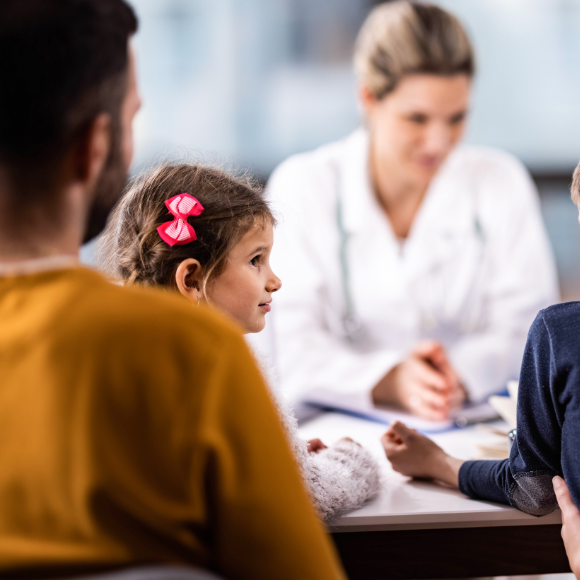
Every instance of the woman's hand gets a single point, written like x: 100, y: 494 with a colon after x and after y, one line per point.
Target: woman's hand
x: 414, y: 455
x: 316, y: 445
x: 425, y: 383
x: 570, y: 524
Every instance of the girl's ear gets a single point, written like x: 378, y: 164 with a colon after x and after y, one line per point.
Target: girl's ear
x: 188, y: 278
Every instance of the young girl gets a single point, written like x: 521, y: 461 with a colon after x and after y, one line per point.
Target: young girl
x: 208, y: 235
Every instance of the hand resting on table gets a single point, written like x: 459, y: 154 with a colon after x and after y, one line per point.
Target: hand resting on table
x: 415, y: 455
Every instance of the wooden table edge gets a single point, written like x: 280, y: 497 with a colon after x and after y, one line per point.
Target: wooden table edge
x: 452, y: 552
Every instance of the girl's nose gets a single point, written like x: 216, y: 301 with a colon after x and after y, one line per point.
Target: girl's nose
x: 274, y: 283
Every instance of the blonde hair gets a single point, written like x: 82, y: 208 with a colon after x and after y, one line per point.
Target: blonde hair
x: 401, y: 38
x: 131, y: 249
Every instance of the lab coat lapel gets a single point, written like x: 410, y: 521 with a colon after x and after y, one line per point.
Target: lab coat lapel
x: 441, y: 230
x: 373, y: 250
x: 361, y: 208
x: 354, y: 181
x: 442, y: 225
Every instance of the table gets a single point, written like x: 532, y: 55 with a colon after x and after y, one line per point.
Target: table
x: 418, y: 529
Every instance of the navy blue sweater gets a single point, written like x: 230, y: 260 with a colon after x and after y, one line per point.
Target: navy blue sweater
x: 548, y: 435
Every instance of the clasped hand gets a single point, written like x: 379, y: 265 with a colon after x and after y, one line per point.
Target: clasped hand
x: 425, y: 383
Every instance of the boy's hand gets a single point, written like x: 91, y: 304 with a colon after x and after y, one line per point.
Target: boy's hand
x: 570, y: 524
x: 414, y: 455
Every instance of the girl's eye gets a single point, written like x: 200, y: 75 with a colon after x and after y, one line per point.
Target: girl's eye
x: 255, y: 260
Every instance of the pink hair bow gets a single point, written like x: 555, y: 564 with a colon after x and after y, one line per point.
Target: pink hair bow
x: 178, y: 232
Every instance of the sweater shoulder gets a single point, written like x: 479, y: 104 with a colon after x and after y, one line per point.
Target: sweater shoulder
x: 554, y: 333
x: 560, y: 316
x: 121, y: 317
x: 562, y: 310
x: 560, y: 320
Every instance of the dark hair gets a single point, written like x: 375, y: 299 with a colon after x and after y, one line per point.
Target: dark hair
x: 62, y: 62
x: 132, y: 250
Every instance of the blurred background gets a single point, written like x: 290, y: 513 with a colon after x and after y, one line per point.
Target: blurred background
x: 250, y: 82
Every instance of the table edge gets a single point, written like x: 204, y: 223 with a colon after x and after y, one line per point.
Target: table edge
x: 428, y: 521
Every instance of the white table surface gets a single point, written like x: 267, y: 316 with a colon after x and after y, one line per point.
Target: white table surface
x: 404, y: 504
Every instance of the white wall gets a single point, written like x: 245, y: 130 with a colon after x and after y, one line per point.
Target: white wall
x: 250, y: 82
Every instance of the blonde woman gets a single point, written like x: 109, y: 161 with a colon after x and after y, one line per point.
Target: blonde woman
x: 413, y: 265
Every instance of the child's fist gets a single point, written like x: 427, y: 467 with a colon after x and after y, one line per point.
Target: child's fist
x: 316, y: 445
x: 415, y: 455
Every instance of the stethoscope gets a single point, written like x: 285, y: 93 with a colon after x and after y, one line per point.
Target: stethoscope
x: 352, y: 323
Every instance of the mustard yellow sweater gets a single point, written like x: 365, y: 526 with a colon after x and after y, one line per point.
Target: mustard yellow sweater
x: 136, y: 429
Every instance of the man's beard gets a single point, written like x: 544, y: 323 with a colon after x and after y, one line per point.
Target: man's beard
x: 108, y: 189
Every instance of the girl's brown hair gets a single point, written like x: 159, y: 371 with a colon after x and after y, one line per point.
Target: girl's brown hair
x: 131, y: 249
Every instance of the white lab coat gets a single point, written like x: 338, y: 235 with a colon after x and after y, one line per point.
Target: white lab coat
x: 473, y: 273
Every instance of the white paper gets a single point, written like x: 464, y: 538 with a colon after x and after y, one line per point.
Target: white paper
x: 359, y: 404
x: 512, y: 388
x: 507, y: 408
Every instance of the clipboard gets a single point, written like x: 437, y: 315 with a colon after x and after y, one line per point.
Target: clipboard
x: 360, y: 405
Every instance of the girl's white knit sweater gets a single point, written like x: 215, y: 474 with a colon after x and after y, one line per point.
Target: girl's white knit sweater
x: 340, y: 478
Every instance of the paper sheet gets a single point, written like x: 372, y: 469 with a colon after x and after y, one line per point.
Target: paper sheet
x: 360, y: 404
x: 507, y: 409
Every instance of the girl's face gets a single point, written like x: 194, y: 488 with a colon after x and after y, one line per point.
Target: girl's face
x: 244, y: 289
x: 414, y: 128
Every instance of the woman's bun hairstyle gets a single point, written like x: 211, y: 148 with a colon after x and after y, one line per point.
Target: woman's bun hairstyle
x: 401, y: 38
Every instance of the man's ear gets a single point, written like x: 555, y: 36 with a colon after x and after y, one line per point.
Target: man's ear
x: 189, y: 277
x: 93, y: 149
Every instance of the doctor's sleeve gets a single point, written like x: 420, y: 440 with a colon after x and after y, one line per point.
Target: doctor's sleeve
x: 519, y: 280
x: 309, y: 354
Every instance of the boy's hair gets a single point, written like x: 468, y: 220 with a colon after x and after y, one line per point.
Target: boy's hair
x: 132, y: 250
x: 575, y: 189
x: 62, y: 63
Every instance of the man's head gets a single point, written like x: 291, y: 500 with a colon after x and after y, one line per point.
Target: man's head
x: 67, y: 99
